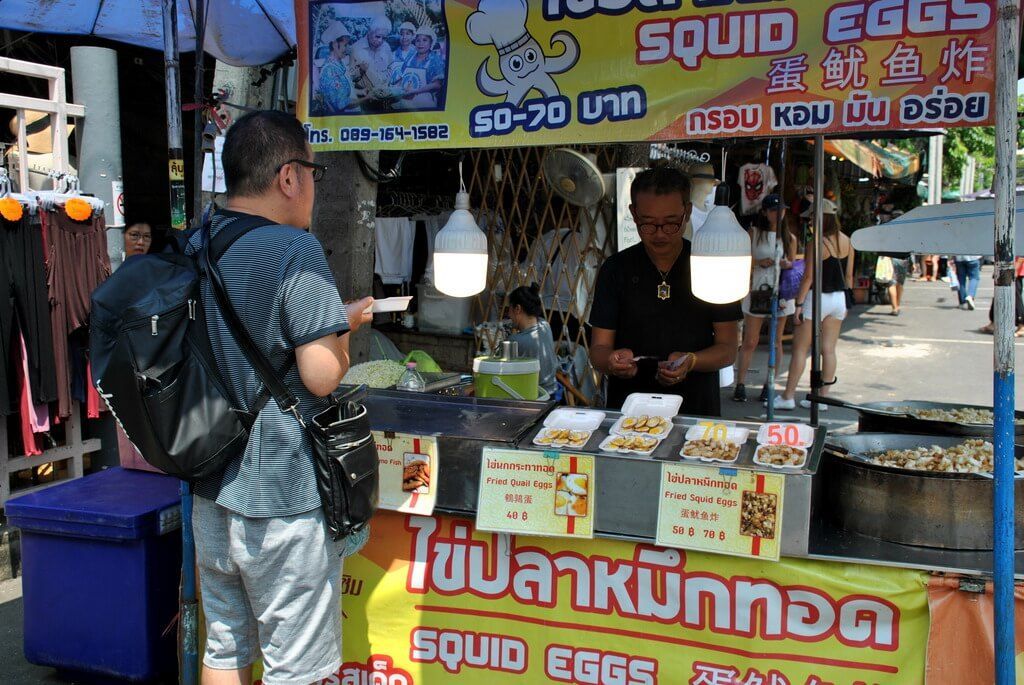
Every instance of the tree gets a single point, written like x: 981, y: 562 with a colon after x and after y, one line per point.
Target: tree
x: 978, y: 142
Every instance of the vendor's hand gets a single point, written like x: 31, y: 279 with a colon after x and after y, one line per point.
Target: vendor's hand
x: 621, y: 364
x: 357, y: 313
x: 668, y: 376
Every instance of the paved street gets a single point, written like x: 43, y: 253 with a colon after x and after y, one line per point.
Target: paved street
x: 932, y: 351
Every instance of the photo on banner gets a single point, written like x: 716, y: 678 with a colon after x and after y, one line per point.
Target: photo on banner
x: 372, y: 57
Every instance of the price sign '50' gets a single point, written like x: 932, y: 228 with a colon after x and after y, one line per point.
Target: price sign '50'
x: 784, y: 434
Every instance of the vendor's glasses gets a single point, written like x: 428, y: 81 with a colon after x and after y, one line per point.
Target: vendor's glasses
x: 318, y: 169
x: 666, y: 228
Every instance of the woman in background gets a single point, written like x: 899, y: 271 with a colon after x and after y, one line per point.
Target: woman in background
x: 836, y: 277
x: 138, y: 238
x: 534, y: 333
x: 773, y: 248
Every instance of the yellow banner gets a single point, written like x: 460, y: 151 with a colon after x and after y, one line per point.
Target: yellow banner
x: 431, y: 600
x: 407, y: 74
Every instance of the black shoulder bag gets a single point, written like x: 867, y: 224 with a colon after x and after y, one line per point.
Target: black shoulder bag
x: 344, y: 452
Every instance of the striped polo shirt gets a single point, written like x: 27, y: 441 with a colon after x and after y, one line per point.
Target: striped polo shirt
x: 283, y: 290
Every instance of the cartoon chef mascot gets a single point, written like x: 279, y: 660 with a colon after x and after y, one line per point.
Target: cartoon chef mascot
x: 524, y: 66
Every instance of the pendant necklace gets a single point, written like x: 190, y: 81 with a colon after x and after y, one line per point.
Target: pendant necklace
x: 664, y: 289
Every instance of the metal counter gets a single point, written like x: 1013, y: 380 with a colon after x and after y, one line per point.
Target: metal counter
x: 627, y: 495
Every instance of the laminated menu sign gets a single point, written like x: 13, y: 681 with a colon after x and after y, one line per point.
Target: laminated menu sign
x: 536, y: 493
x: 408, y: 472
x: 725, y: 510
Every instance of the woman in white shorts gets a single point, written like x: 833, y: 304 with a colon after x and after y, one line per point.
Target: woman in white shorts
x: 836, y: 277
x: 772, y: 248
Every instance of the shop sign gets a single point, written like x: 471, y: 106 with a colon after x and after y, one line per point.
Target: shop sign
x: 213, y: 168
x: 723, y: 510
x: 628, y: 236
x: 409, y: 472
x: 433, y: 600
x: 536, y: 493
x: 117, y: 195
x: 491, y: 73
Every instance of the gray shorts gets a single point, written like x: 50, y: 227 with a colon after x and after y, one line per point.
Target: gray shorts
x: 269, y: 587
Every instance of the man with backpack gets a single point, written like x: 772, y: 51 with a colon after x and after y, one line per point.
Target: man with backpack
x: 269, y: 571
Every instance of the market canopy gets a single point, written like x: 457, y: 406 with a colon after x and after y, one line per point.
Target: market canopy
x: 879, y: 161
x: 239, y: 32
x: 957, y: 228
x: 500, y: 73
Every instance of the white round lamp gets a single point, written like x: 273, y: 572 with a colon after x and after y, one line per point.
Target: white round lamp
x: 720, y: 259
x: 460, y: 253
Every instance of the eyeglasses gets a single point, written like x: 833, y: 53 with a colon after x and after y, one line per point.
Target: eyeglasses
x: 318, y: 169
x: 140, y: 237
x: 666, y: 228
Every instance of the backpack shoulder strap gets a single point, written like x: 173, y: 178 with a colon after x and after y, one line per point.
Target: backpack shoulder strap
x: 227, y: 236
x: 213, y: 249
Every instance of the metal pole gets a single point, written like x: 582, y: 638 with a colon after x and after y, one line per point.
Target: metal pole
x: 176, y: 162
x: 774, y: 320
x: 819, y: 220
x: 1005, y: 203
x: 94, y: 77
x: 188, y: 633
x: 198, y: 97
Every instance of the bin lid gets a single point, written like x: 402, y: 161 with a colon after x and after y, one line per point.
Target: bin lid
x: 118, y: 503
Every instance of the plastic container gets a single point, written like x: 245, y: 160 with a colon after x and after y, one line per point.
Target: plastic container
x: 517, y: 379
x: 582, y: 422
x: 439, y: 313
x: 643, y: 404
x: 101, y: 558
x: 411, y: 380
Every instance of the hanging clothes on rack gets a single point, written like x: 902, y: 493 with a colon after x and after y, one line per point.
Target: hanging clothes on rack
x: 393, y: 250
x: 77, y: 262
x: 25, y: 310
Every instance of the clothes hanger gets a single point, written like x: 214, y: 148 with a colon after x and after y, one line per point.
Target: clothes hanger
x: 5, y: 191
x: 67, y: 187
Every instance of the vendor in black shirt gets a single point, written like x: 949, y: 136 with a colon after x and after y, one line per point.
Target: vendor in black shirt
x: 644, y: 307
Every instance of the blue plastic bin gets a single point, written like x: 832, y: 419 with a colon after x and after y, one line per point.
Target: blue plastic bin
x: 101, y: 558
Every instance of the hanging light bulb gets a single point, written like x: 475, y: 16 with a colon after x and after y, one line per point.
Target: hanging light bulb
x: 460, y: 251
x: 720, y: 257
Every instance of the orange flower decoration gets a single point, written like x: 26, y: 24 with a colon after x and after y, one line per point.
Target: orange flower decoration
x: 77, y: 209
x: 11, y: 209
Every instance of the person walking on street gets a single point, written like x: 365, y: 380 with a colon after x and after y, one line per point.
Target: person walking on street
x: 990, y: 328
x: 773, y: 249
x: 968, y: 271
x: 836, y: 277
x: 270, y: 572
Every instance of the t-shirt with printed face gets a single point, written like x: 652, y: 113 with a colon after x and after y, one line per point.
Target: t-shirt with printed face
x: 281, y: 286
x: 756, y: 182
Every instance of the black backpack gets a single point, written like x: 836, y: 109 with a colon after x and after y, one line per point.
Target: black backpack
x: 153, y: 365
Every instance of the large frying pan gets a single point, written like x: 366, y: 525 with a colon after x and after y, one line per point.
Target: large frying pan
x: 886, y: 417
x: 910, y: 507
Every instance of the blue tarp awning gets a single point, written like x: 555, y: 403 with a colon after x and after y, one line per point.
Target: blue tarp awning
x: 239, y: 32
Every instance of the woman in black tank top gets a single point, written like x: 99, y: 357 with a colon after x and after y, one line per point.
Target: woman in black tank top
x: 836, y: 277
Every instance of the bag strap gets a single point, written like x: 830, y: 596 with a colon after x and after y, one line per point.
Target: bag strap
x: 218, y: 246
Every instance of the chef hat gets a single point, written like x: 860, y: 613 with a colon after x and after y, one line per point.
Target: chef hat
x: 381, y: 24
x: 501, y: 23
x: 407, y: 26
x: 427, y: 31
x: 335, y: 31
